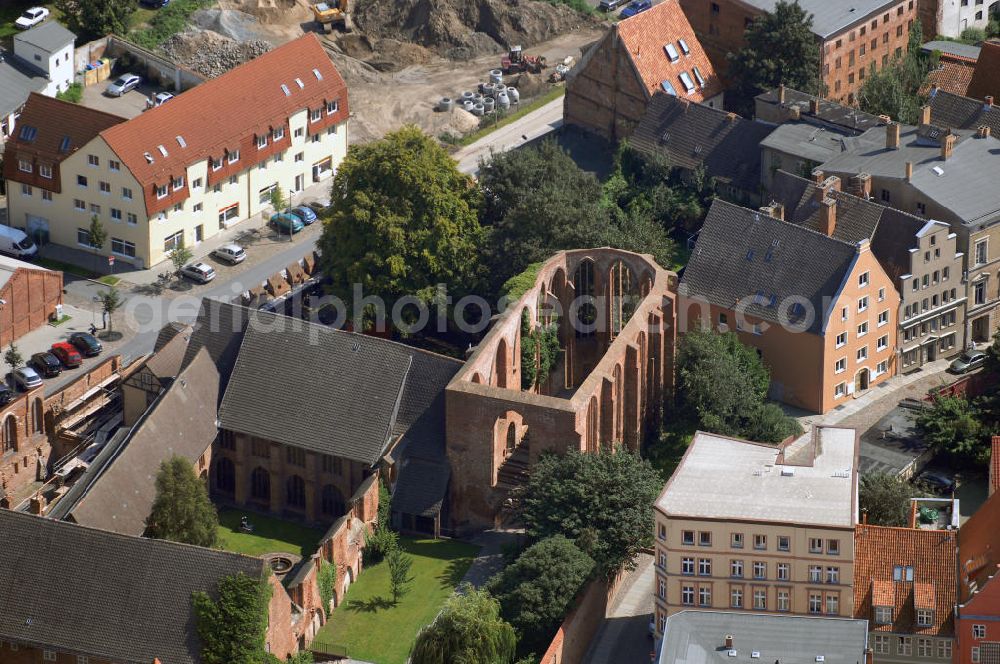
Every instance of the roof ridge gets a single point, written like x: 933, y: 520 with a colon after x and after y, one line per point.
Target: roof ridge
x: 781, y: 223
x: 79, y: 108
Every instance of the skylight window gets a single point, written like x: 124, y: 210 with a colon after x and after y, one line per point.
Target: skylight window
x: 686, y: 80
x: 319, y: 76
x: 149, y: 157
x: 299, y: 82
x: 684, y: 47
x: 284, y: 88
x: 668, y: 88
x: 671, y: 52
x: 64, y: 144
x: 181, y: 142
x: 162, y: 150
x: 698, y: 77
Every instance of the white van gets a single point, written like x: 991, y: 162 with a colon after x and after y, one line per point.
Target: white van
x: 16, y: 243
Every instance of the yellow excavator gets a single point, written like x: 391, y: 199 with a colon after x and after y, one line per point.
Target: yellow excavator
x: 332, y: 13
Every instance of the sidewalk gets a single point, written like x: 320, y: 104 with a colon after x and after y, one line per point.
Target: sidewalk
x: 150, y: 275
x: 623, y: 637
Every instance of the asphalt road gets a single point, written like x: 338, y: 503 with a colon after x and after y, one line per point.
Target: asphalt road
x: 546, y: 119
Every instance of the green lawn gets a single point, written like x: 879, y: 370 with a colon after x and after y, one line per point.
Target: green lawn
x: 370, y: 628
x: 269, y: 535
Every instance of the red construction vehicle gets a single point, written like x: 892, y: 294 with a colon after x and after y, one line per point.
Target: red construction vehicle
x: 516, y: 62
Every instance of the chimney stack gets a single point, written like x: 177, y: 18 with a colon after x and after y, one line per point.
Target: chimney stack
x: 984, y: 132
x: 947, y: 146
x: 989, y: 101
x: 892, y: 136
x: 777, y: 211
x: 909, y: 171
x: 925, y: 115
x: 860, y: 185
x: 828, y: 216
x: 731, y: 117
x: 794, y: 113
x: 814, y: 106
x: 825, y: 186
x: 729, y: 641
x: 869, y: 656
x: 818, y: 176
x: 781, y: 93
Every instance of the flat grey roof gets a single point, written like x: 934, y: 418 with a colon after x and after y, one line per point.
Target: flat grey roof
x: 698, y: 637
x: 17, y: 81
x: 806, y: 141
x: 748, y: 483
x: 830, y: 16
x: 953, y: 48
x: 49, y: 36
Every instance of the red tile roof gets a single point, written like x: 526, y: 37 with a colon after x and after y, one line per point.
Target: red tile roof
x: 226, y: 113
x: 878, y: 550
x: 979, y: 546
x: 986, y: 79
x: 953, y: 75
x: 49, y: 131
x: 645, y: 37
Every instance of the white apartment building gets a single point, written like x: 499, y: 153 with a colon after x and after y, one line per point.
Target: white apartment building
x: 181, y: 172
x: 42, y: 62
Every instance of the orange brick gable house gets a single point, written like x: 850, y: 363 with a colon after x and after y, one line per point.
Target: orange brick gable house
x: 654, y: 51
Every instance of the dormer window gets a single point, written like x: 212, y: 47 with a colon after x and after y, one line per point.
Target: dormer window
x: 216, y: 164
x: 234, y: 156
x: 883, y: 615
x: 261, y: 142
x: 315, y: 115
x: 672, y: 52
x: 684, y: 47
x: 698, y: 77
x: 332, y: 107
x: 161, y: 191
x: 45, y: 171
x: 278, y: 134
x: 686, y: 80
x: 24, y: 166
x: 177, y: 183
x: 925, y: 617
x: 902, y: 573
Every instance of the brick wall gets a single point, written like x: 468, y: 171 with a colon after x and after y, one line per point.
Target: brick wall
x: 30, y: 298
x: 25, y: 449
x: 578, y: 629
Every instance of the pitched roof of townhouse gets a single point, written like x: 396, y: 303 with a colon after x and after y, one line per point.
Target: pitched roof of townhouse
x: 52, y: 130
x: 212, y: 117
x: 829, y: 112
x: 181, y: 422
x: 691, y: 135
x: 829, y: 18
x: 105, y: 595
x: 17, y: 82
x: 952, y: 75
x: 958, y: 112
x: 963, y: 184
x: 986, y: 79
x: 809, y: 481
x: 50, y: 36
x: 879, y: 550
x: 979, y: 547
x: 743, y: 254
x: 646, y: 37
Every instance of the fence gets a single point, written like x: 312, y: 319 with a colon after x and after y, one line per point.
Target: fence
x: 327, y: 648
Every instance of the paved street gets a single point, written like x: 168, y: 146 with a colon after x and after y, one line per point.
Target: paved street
x: 532, y: 126
x: 624, y: 636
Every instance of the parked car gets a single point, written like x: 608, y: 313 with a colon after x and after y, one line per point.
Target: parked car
x: 31, y: 17
x: 86, y: 343
x: 46, y: 364
x: 636, y: 7
x: 967, y: 361
x: 155, y: 4
x: 305, y: 213
x: 16, y: 243
x: 123, y: 84
x: 199, y: 272
x: 26, y: 378
x: 6, y: 394
x: 231, y: 253
x: 67, y: 354
x: 937, y: 481
x: 161, y: 98
x: 611, y: 5
x: 319, y: 205
x: 286, y: 223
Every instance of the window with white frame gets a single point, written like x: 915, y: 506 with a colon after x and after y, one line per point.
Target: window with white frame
x: 974, y: 652
x: 95, y: 208
x: 79, y: 205
x: 177, y: 183
x: 839, y: 390
x: 736, y: 569
x: 300, y: 132
x: 904, y: 645
x: 82, y: 659
x: 49, y: 655
x: 944, y: 649
x: 331, y: 131
x: 332, y: 107
x: 881, y: 294
x: 45, y: 171
x: 316, y: 138
x: 661, y: 588
x: 784, y: 600
x: 881, y: 367
x: 161, y: 191
x: 815, y: 545
x: 982, y: 255
x: 687, y: 595
x: 46, y: 195
x: 662, y: 560
x: 114, y: 165
x: 126, y: 193
x: 83, y: 238
x: 815, y: 574
x: 832, y: 604
x: 736, y: 598
x: 704, y: 567
x: 116, y: 215
x: 261, y: 142
x: 300, y: 156
x: 841, y: 339
x: 234, y: 156
x: 862, y: 353
x: 833, y: 575
x: 840, y: 366
x: 883, y: 615
x: 131, y: 219
x: 862, y: 303
x: 863, y: 329
x: 704, y: 596
x: 883, y: 343
x: 198, y: 207
x: 736, y: 540
x: 233, y: 179
x: 81, y: 181
x: 92, y: 160
x: 880, y: 644
x: 25, y: 166
x: 760, y: 599
x: 979, y: 631
x: 760, y: 542
x: 862, y: 280
x: 216, y: 163
x: 26, y: 189
x: 925, y: 617
x: 315, y: 114
x: 278, y: 134
x: 759, y: 569
x: 230, y: 213
x: 173, y: 241
x: 105, y: 187
x: 122, y: 247
x: 815, y: 603
x: 883, y: 318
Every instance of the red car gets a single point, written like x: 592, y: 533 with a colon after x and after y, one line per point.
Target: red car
x: 67, y: 354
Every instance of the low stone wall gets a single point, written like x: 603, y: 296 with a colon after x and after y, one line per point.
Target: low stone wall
x: 578, y: 629
x: 151, y: 66
x: 966, y: 386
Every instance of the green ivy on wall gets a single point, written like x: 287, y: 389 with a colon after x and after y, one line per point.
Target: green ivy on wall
x: 539, y: 352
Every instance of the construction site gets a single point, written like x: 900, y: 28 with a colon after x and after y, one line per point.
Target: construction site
x: 408, y: 61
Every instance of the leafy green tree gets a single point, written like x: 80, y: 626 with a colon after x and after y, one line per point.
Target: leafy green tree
x: 379, y: 543
x: 885, y: 498
x: 111, y: 301
x: 399, y: 573
x: 96, y: 18
x: 780, y: 49
x: 537, y: 201
x: 602, y: 501
x: 469, y: 630
x: 13, y: 357
x: 403, y: 220
x: 326, y: 580
x: 232, y: 623
x: 384, y: 506
x: 895, y: 89
x: 538, y: 589
x: 723, y: 384
x: 179, y: 257
x: 951, y: 426
x: 182, y: 510
x: 97, y: 235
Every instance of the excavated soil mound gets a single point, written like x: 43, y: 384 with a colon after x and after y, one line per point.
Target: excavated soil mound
x: 463, y: 29
x: 210, y: 53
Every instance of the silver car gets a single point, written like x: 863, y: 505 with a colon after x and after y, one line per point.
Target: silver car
x: 123, y: 84
x: 231, y: 253
x: 199, y: 272
x: 27, y: 378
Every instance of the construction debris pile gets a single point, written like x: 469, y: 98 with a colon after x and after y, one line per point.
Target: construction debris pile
x: 210, y: 53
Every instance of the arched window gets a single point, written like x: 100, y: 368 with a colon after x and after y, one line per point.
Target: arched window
x: 37, y: 417
x: 225, y: 475
x: 624, y: 296
x: 511, y: 437
x: 260, y: 485
x: 9, y: 435
x: 501, y: 366
x: 332, y: 502
x: 586, y: 311
x: 296, y: 492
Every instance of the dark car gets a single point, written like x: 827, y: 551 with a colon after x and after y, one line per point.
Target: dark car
x: 155, y: 4
x: 46, y: 364
x: 636, y: 7
x: 305, y: 213
x: 87, y: 344
x: 937, y: 481
x: 67, y: 354
x: 6, y: 394
x: 968, y: 361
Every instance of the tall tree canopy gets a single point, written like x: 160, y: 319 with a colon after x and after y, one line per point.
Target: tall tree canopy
x: 895, y: 89
x: 403, y: 220
x: 952, y: 426
x: 96, y: 18
x: 885, y: 499
x: 182, y: 510
x: 232, y: 625
x: 723, y: 385
x: 469, y: 630
x: 538, y: 589
x: 602, y: 501
x: 780, y: 49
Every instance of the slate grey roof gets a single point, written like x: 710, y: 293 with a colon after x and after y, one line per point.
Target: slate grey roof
x: 698, y: 637
x: 742, y: 253
x: 17, y: 81
x: 830, y: 112
x: 691, y: 135
x: 180, y: 422
x: 421, y: 487
x: 105, y: 595
x: 952, y: 48
x: 831, y: 16
x: 956, y: 112
x: 50, y: 36
x: 806, y: 141
x: 219, y: 330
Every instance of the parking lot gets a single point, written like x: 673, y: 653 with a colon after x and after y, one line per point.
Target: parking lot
x: 129, y: 105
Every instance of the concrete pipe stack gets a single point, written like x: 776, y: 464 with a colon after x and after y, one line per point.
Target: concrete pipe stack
x: 496, y: 76
x: 514, y: 95
x: 446, y: 104
x: 478, y: 109
x: 503, y: 101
